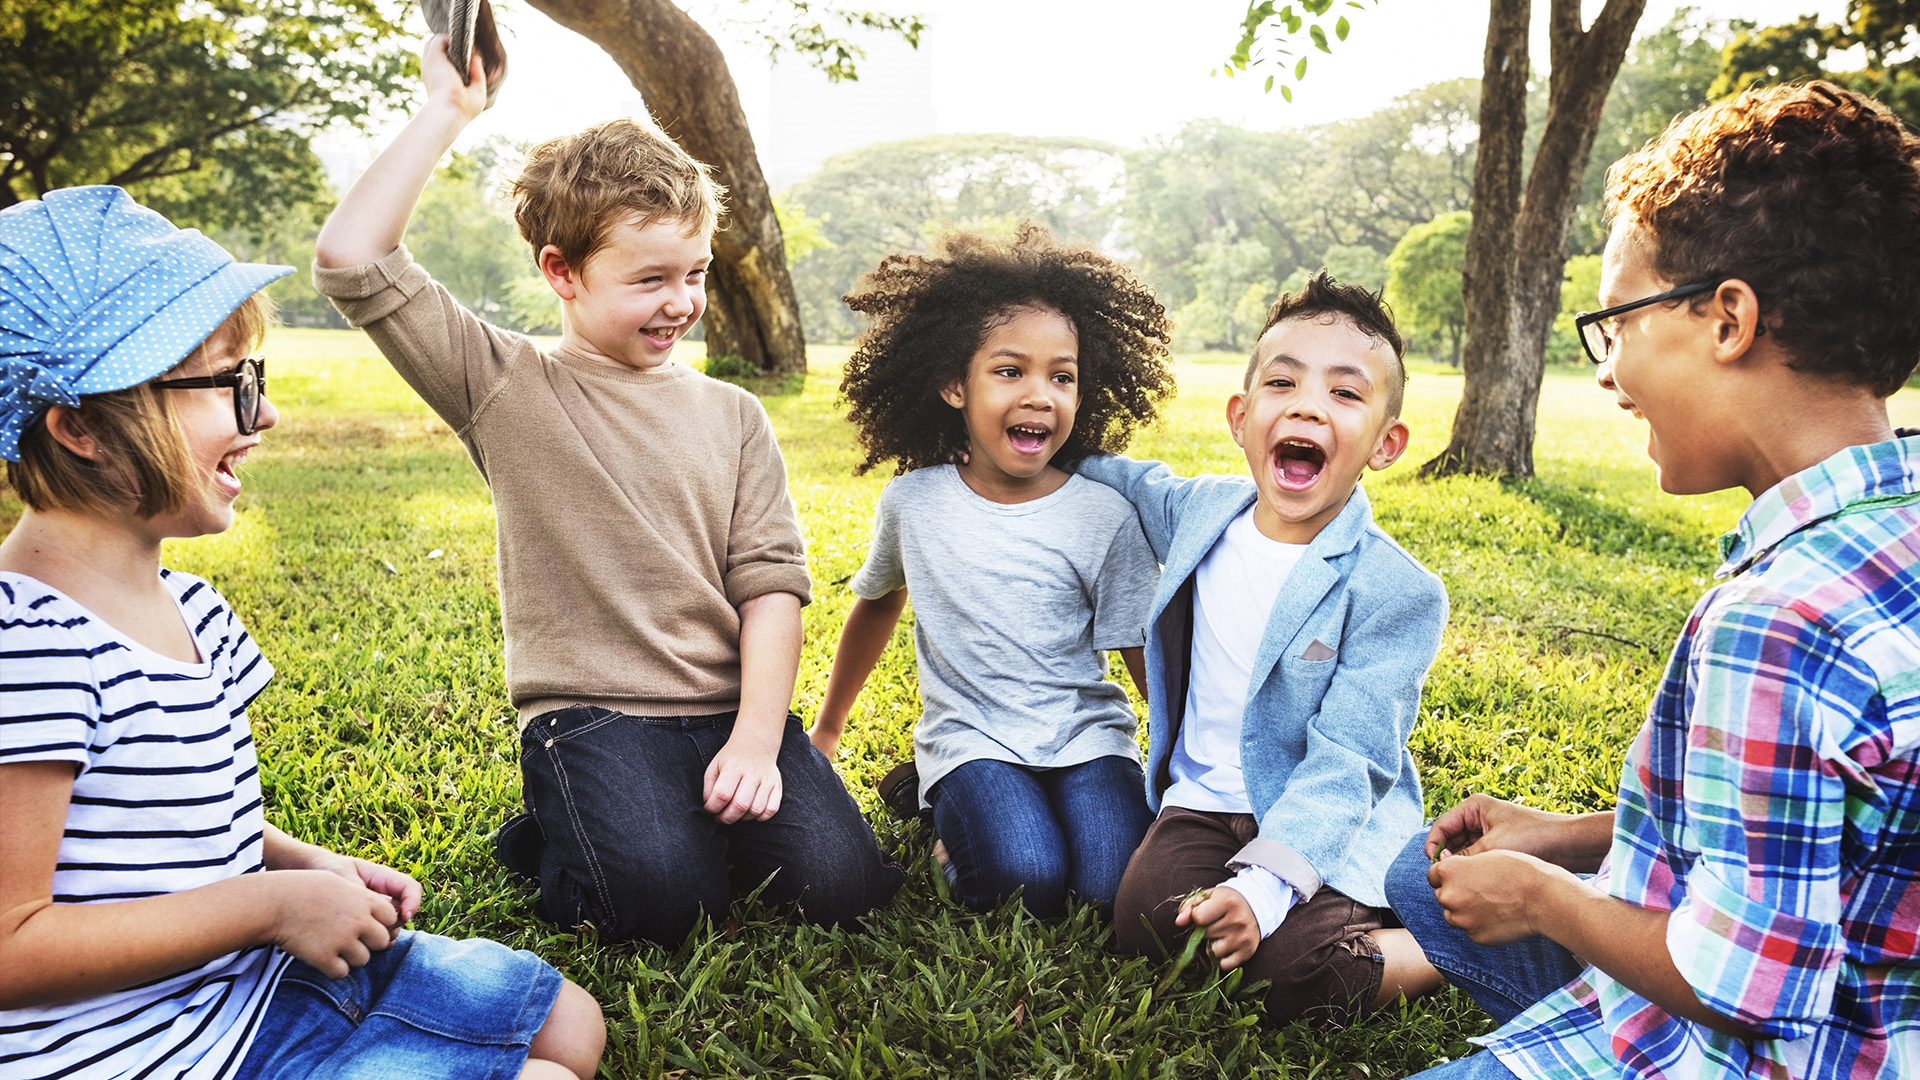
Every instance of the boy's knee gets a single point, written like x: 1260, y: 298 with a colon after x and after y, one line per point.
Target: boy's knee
x: 1406, y: 884
x: 1331, y: 984
x: 656, y: 909
x: 840, y: 899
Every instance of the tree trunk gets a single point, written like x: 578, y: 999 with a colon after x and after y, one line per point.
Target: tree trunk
x: 679, y: 70
x: 1517, y: 244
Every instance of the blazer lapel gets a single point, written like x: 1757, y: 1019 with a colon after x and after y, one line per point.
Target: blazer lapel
x: 1299, y: 595
x: 1312, y: 577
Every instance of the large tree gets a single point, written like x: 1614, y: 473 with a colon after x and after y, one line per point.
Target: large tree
x: 1522, y: 217
x: 143, y: 92
x: 679, y: 70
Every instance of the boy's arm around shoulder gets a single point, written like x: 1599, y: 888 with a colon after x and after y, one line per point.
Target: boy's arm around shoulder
x: 1157, y: 495
x: 1355, y: 740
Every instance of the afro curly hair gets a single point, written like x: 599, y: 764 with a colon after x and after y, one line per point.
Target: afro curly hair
x: 930, y: 313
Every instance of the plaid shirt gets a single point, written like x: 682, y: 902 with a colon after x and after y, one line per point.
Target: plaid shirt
x: 1770, y: 803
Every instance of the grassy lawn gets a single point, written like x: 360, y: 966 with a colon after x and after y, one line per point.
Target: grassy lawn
x: 363, y: 561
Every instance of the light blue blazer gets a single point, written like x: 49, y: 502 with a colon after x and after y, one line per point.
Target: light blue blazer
x: 1324, y: 736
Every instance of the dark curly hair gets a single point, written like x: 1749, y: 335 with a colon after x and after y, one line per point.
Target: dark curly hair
x: 1324, y: 299
x: 931, y: 313
x: 1808, y: 192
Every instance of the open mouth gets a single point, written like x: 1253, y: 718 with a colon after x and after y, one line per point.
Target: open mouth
x: 1029, y: 438
x: 1297, y: 463
x: 227, y: 469
x: 661, y: 336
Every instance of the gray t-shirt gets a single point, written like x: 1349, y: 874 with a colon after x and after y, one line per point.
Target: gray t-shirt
x: 1011, y: 604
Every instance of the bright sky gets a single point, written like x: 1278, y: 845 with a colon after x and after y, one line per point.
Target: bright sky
x: 1120, y: 70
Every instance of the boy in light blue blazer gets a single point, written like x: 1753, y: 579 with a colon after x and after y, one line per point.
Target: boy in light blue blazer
x: 1289, y: 641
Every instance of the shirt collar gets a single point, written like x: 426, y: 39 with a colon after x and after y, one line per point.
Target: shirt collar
x: 1864, y: 473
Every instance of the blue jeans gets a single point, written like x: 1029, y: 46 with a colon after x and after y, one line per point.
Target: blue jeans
x: 1048, y: 832
x: 424, y: 1007
x: 1505, y: 980
x: 629, y: 846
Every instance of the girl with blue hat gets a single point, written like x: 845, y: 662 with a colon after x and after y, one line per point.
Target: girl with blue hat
x: 154, y: 923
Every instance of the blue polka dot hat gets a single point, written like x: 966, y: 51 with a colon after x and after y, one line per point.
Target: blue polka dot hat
x: 99, y: 293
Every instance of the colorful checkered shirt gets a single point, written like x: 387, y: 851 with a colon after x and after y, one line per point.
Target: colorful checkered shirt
x: 1770, y: 802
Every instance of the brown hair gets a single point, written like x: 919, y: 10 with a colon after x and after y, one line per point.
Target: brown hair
x: 1809, y: 193
x: 576, y: 188
x: 931, y: 313
x: 140, y: 451
x: 1324, y: 298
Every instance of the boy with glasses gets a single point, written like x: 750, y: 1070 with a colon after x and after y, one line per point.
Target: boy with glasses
x: 1753, y: 909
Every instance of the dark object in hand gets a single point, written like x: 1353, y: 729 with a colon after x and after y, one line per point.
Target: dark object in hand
x: 469, y: 27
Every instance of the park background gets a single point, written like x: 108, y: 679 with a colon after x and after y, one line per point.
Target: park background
x: 362, y: 556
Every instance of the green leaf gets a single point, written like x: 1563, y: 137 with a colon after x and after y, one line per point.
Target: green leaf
x: 1340, y: 28
x: 1269, y: 88
x: 1300, y: 70
x: 1319, y: 37
x: 1287, y: 92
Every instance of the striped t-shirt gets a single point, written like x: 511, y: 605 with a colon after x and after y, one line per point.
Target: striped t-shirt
x: 166, y: 798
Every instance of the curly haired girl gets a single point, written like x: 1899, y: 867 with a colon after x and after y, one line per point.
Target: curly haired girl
x: 1011, y: 358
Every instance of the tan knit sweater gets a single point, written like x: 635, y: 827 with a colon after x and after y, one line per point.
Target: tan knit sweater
x: 636, y: 510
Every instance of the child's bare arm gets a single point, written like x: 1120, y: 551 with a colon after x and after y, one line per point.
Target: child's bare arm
x: 373, y: 217
x: 743, y: 780
x: 1136, y: 661
x: 64, y: 952
x: 869, y: 627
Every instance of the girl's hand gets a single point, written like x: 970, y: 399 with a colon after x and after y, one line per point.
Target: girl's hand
x: 400, y: 888
x: 442, y: 79
x: 1232, y: 932
x: 330, y: 921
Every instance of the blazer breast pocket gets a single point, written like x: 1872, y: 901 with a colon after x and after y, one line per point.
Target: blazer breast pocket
x: 1304, y: 674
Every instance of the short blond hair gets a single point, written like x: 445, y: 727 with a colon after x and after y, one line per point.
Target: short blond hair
x: 141, y: 461
x: 575, y: 189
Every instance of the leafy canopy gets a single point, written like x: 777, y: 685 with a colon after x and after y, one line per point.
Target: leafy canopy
x: 132, y: 91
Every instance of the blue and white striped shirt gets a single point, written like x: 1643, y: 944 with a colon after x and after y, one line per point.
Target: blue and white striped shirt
x: 166, y: 797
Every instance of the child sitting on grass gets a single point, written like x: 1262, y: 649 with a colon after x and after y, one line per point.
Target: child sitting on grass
x: 1289, y: 641
x: 652, y: 568
x: 1759, y: 877
x: 151, y: 922
x: 1016, y: 357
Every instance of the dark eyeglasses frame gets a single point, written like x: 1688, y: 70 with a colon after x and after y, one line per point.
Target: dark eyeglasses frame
x: 1584, y: 319
x: 251, y: 371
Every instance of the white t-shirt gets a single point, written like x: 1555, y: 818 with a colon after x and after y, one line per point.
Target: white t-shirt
x: 1234, y: 590
x: 167, y: 798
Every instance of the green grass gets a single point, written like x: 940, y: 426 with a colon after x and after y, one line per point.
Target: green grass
x: 363, y: 561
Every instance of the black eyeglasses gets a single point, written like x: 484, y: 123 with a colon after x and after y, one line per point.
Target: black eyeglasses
x: 1591, y: 325
x: 249, y: 382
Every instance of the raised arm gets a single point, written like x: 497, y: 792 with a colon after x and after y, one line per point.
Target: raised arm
x: 370, y: 221
x: 869, y: 627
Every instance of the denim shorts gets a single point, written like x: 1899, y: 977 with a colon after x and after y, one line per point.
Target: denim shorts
x: 425, y: 1007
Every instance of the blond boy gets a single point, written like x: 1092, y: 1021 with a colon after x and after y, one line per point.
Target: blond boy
x: 652, y: 569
